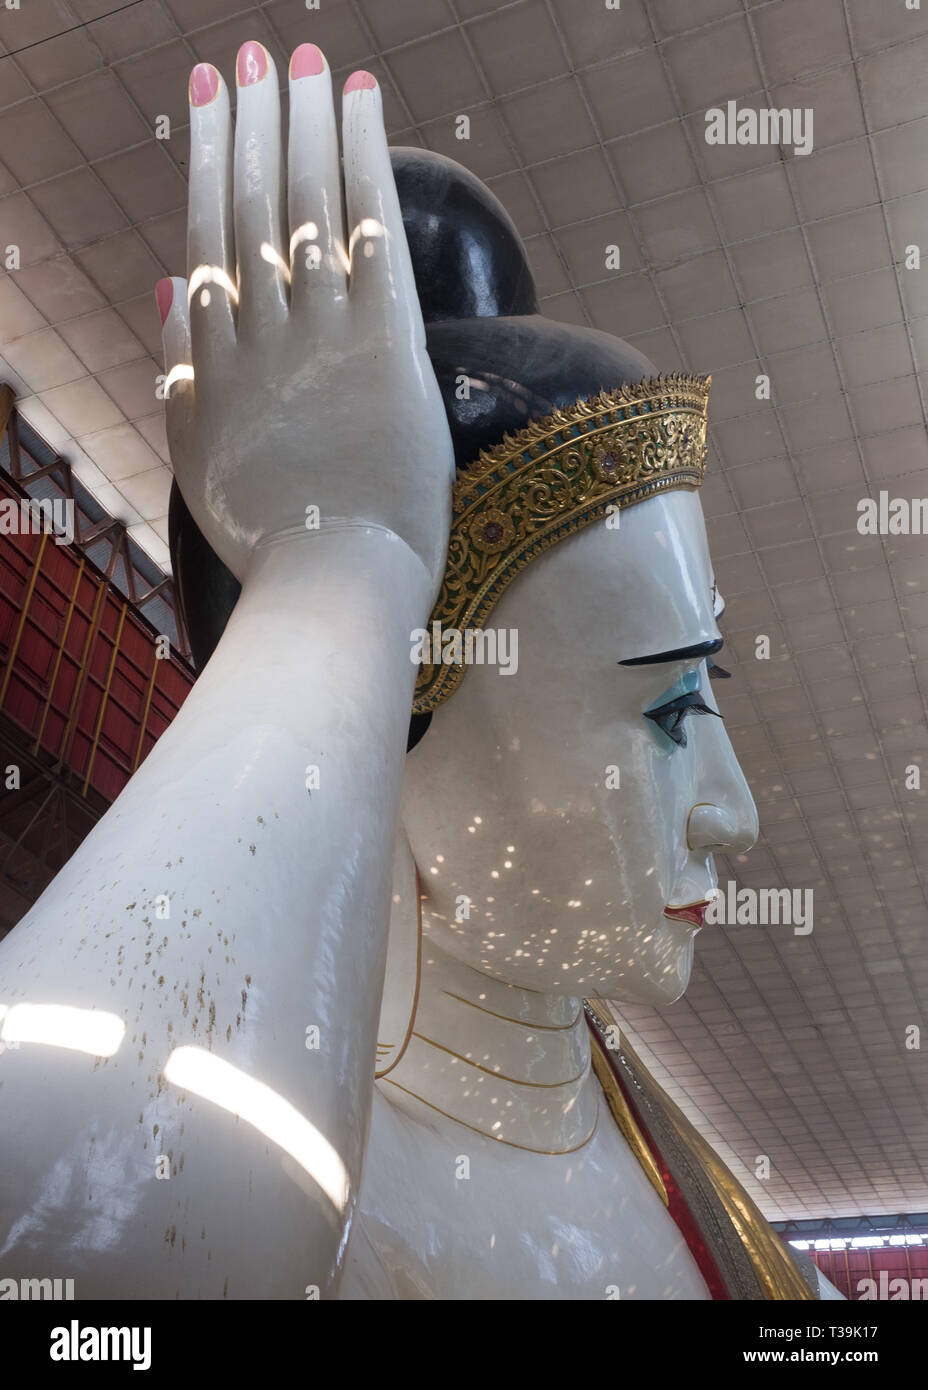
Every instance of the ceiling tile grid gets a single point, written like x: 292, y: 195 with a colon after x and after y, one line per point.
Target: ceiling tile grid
x: 750, y: 261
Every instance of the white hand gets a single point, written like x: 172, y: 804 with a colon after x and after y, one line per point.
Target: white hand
x: 298, y: 371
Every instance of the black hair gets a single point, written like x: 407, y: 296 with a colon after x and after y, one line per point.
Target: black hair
x: 482, y: 322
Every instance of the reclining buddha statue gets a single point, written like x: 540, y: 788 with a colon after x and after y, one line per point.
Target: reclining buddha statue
x: 319, y: 1008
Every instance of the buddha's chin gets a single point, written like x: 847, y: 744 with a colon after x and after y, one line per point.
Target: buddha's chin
x: 660, y: 980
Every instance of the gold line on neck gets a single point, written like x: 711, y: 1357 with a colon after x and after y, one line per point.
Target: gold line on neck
x: 533, y: 1027
x: 497, y: 1139
x: 500, y: 1076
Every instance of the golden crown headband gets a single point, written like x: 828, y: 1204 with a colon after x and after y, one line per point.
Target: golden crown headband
x: 549, y: 480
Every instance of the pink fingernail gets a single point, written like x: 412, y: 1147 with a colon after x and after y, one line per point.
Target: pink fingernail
x: 204, y: 84
x: 251, y: 64
x: 307, y: 61
x: 164, y: 297
x: 360, y: 81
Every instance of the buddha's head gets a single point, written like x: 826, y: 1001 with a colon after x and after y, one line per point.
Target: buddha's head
x: 557, y: 811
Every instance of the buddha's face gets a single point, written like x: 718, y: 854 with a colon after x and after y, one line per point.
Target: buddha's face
x: 552, y: 820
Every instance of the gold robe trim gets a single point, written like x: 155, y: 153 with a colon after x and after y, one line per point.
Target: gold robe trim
x: 752, y: 1260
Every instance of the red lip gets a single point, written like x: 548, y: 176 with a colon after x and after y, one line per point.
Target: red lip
x: 694, y: 913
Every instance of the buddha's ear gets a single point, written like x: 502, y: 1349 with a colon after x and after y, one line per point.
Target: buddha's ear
x: 404, y: 961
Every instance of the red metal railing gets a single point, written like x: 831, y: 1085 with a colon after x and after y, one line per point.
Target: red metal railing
x: 42, y: 474
x: 883, y: 1266
x: 81, y: 675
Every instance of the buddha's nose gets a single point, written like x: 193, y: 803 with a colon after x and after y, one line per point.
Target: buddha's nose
x: 711, y: 827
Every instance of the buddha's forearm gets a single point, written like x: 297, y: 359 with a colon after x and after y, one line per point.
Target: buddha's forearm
x: 230, y: 911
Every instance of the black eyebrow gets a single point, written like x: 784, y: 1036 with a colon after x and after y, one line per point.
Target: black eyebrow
x: 681, y: 654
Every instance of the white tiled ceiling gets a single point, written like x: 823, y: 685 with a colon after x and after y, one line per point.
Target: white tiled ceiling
x: 737, y: 260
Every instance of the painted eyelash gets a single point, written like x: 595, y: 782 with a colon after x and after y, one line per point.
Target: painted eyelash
x: 676, y: 712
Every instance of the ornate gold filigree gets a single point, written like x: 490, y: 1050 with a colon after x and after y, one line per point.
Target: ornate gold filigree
x: 551, y: 479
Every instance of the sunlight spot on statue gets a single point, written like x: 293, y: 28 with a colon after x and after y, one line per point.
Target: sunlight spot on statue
x: 510, y: 849
x: 273, y: 257
x: 205, y: 299
x: 439, y: 859
x: 471, y: 830
x: 587, y: 882
x: 433, y: 870
x: 182, y: 372
x: 494, y: 873
x: 211, y: 275
x: 575, y: 902
x: 308, y: 231
x: 478, y: 820
x: 206, y: 1075
x: 94, y: 1031
x: 507, y: 863
x: 368, y: 227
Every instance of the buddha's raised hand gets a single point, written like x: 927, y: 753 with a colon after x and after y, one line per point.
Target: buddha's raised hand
x: 300, y: 394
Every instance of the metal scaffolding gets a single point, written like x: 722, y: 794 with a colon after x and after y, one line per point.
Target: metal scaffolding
x: 94, y: 665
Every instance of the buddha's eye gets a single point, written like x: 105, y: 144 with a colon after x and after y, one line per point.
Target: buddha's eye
x: 670, y: 717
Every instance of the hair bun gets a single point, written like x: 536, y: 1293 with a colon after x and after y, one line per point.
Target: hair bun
x: 468, y: 259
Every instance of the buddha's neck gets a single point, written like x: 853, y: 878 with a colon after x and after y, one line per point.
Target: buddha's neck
x: 508, y: 1062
